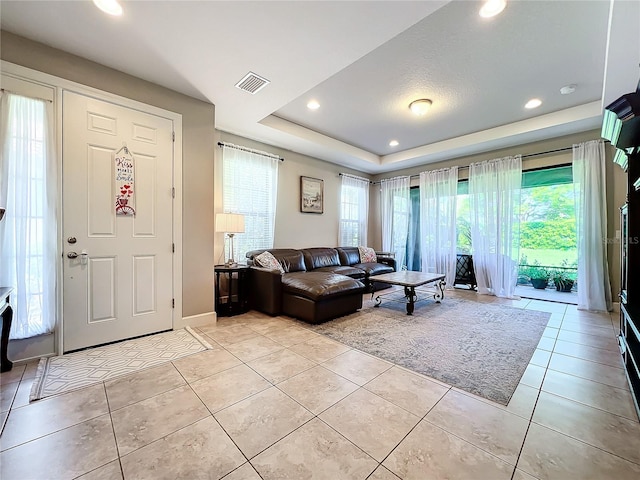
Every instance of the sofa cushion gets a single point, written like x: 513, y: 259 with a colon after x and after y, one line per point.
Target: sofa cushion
x: 291, y: 260
x: 367, y: 255
x: 342, y: 270
x: 267, y: 260
x: 319, y: 257
x: 348, y: 255
x: 319, y: 285
x: 374, y: 268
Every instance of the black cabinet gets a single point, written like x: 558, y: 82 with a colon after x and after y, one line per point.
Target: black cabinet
x: 629, y: 341
x: 231, y: 290
x: 629, y: 335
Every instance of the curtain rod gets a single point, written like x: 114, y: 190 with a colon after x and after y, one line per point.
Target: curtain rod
x: 250, y: 150
x: 557, y: 150
x: 27, y: 96
x: 354, y: 176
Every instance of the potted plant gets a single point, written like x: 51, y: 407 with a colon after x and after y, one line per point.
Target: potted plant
x: 563, y: 280
x: 538, y: 275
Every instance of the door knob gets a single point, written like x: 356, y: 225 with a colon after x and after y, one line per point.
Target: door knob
x: 72, y: 255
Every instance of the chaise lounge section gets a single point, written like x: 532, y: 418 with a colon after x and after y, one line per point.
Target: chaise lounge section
x: 315, y: 286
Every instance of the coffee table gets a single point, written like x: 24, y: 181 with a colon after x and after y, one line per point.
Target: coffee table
x: 410, y: 280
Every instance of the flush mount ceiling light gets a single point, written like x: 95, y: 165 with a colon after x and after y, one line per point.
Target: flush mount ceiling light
x: 420, y: 107
x: 491, y: 8
x: 533, y: 103
x: 313, y: 105
x: 568, y: 89
x: 112, y: 7
x: 394, y: 143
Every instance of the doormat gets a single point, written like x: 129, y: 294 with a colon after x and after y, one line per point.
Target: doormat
x: 76, y: 370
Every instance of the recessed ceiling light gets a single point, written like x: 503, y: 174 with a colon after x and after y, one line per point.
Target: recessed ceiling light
x: 420, y: 107
x: 533, y: 103
x: 568, y: 89
x: 491, y: 8
x: 112, y: 7
x: 394, y: 143
x: 313, y: 105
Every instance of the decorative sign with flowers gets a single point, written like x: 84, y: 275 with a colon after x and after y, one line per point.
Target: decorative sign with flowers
x: 125, y: 196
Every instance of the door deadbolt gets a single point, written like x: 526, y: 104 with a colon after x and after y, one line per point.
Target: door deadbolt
x: 72, y: 240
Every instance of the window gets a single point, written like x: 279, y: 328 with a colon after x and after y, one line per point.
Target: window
x: 354, y: 209
x: 414, y: 257
x: 395, y: 203
x: 250, y: 183
x: 463, y: 218
x: 28, y: 233
x: 548, y: 218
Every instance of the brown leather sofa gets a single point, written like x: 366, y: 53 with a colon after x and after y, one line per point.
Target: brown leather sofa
x: 318, y: 284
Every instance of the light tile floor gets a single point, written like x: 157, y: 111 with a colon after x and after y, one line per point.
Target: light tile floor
x: 274, y: 400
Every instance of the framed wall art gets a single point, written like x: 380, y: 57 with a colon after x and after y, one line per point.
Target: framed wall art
x: 311, y: 195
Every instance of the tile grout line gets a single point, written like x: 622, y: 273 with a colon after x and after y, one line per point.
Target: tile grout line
x: 423, y: 418
x: 535, y: 405
x: 113, y: 429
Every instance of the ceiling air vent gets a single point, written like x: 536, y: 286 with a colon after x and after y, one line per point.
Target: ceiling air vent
x: 252, y: 83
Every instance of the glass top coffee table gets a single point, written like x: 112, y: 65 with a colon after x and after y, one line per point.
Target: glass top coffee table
x: 410, y: 281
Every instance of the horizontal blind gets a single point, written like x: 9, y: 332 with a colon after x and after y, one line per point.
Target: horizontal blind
x: 250, y: 188
x: 354, y: 208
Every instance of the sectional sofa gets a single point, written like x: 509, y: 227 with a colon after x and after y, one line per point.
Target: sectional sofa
x: 318, y: 284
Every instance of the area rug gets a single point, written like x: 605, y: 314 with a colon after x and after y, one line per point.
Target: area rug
x: 481, y: 348
x: 64, y: 373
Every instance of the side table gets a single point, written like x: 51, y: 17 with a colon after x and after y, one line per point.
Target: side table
x: 7, y: 316
x: 236, y: 300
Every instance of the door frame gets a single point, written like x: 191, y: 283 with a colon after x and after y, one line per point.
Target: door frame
x: 60, y: 85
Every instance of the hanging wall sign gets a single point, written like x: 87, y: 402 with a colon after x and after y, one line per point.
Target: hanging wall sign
x: 125, y: 192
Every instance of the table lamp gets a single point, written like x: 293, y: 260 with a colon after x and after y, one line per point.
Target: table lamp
x: 230, y: 223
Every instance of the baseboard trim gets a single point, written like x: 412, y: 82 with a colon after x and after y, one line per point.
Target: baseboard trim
x: 196, y: 320
x: 25, y: 350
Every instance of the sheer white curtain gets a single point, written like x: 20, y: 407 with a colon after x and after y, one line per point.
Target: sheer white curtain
x: 438, y: 193
x: 354, y: 211
x: 594, y: 290
x: 250, y: 187
x: 28, y: 233
x: 396, y: 209
x: 494, y: 194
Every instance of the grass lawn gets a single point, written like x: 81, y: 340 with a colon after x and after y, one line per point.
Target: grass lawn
x: 548, y: 257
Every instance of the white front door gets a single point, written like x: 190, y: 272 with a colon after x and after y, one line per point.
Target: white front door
x: 121, y: 287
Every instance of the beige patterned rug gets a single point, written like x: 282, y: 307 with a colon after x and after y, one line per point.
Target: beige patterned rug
x: 481, y: 348
x: 64, y: 373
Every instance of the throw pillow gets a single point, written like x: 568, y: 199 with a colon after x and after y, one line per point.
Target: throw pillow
x: 267, y: 260
x: 367, y: 255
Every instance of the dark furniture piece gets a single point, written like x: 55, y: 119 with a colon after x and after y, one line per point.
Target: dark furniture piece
x: 7, y: 317
x: 621, y: 126
x: 385, y: 264
x: 464, y: 271
x: 318, y: 284
x: 629, y: 336
x: 236, y: 281
x: 410, y: 281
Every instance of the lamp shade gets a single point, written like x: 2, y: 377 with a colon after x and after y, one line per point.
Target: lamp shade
x: 229, y: 222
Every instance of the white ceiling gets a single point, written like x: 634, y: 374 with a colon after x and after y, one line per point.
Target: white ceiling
x: 364, y: 61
